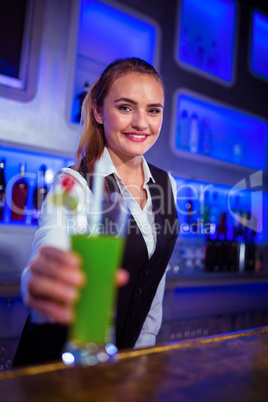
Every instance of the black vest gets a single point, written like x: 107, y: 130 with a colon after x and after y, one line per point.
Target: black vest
x: 41, y: 343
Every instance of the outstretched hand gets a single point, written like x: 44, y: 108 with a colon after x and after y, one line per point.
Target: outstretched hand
x: 54, y: 284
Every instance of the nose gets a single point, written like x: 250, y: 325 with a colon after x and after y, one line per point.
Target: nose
x: 139, y: 121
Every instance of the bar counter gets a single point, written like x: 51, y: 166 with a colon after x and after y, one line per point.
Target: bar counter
x: 230, y: 367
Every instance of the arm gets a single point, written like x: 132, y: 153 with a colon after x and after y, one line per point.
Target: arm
x: 50, y: 283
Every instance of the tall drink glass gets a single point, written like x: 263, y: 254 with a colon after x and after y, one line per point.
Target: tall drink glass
x: 101, y: 251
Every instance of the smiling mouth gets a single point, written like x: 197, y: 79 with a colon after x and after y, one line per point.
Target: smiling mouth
x: 138, y: 136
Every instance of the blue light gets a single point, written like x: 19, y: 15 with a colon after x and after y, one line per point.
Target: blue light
x: 207, y: 38
x: 259, y: 45
x: 68, y: 358
x: 111, y: 349
x: 107, y: 33
x: 234, y: 137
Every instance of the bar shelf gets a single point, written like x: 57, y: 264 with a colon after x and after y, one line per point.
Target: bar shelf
x: 203, y: 47
x: 211, y: 131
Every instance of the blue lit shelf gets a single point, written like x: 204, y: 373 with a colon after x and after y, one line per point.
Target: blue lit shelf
x: 217, y: 199
x: 33, y: 160
x: 206, y: 38
x: 217, y: 132
x: 258, y: 61
x: 108, y: 31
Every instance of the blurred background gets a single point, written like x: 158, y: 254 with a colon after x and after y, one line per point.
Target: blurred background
x: 213, y: 56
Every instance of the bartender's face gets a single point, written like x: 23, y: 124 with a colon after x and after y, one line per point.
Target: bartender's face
x: 132, y: 114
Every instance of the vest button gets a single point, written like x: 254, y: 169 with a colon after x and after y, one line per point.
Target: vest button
x: 139, y: 290
x: 133, y: 312
x: 146, y: 270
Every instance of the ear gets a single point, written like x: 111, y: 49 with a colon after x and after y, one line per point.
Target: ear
x: 97, y: 113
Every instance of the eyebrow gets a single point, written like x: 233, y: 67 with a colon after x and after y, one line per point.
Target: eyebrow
x: 135, y: 103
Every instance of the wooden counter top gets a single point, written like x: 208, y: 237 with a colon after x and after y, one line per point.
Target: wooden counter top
x: 229, y: 368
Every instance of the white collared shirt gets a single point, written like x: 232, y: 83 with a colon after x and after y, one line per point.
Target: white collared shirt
x: 54, y: 226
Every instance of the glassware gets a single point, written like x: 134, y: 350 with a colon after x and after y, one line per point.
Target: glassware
x: 101, y: 251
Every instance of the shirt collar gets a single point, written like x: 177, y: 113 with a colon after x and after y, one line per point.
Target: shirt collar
x: 107, y: 167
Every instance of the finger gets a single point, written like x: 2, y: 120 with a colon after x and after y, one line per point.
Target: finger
x: 122, y: 277
x: 43, y: 287
x: 57, y: 270
x: 61, y: 314
x: 61, y: 256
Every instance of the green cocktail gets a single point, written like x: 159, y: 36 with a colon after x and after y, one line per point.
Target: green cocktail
x: 101, y: 257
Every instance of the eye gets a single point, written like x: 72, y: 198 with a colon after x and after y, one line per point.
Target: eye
x: 154, y: 111
x: 124, y: 108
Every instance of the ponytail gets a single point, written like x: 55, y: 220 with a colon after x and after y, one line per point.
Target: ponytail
x: 92, y: 141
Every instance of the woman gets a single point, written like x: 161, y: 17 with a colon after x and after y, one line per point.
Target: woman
x: 123, y: 114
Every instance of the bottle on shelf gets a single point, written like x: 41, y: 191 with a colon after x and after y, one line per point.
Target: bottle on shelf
x: 40, y: 193
x: 208, y: 228
x: 205, y: 137
x: 19, y: 196
x: 218, y: 249
x: 210, y: 255
x: 215, y: 212
x: 224, y: 243
x: 251, y: 252
x: 191, y: 214
x: 199, y: 51
x: 183, y: 131
x: 81, y: 96
x: 240, y: 250
x: 238, y: 227
x: 185, y: 45
x: 194, y: 133
x: 2, y: 189
x: 237, y: 150
x: 213, y: 58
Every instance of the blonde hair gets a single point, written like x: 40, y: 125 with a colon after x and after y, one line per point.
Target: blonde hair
x: 92, y: 140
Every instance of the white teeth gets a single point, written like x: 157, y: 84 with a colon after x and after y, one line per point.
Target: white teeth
x: 136, y: 136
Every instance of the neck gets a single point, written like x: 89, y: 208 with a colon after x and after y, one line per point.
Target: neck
x: 127, y: 166
x: 131, y: 172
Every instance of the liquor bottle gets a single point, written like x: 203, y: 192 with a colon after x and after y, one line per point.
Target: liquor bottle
x: 213, y: 58
x: 183, y: 131
x: 2, y: 189
x: 214, y: 259
x: 251, y: 252
x: 205, y: 137
x: 19, y: 196
x: 238, y: 229
x: 214, y: 218
x: 199, y: 51
x: 191, y: 214
x: 222, y: 229
x: 40, y: 193
x: 81, y: 96
x: 194, y: 133
x: 184, y: 45
x: 210, y: 255
x: 238, y: 150
x: 224, y: 243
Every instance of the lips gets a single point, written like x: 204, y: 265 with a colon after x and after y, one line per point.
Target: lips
x: 136, y: 137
